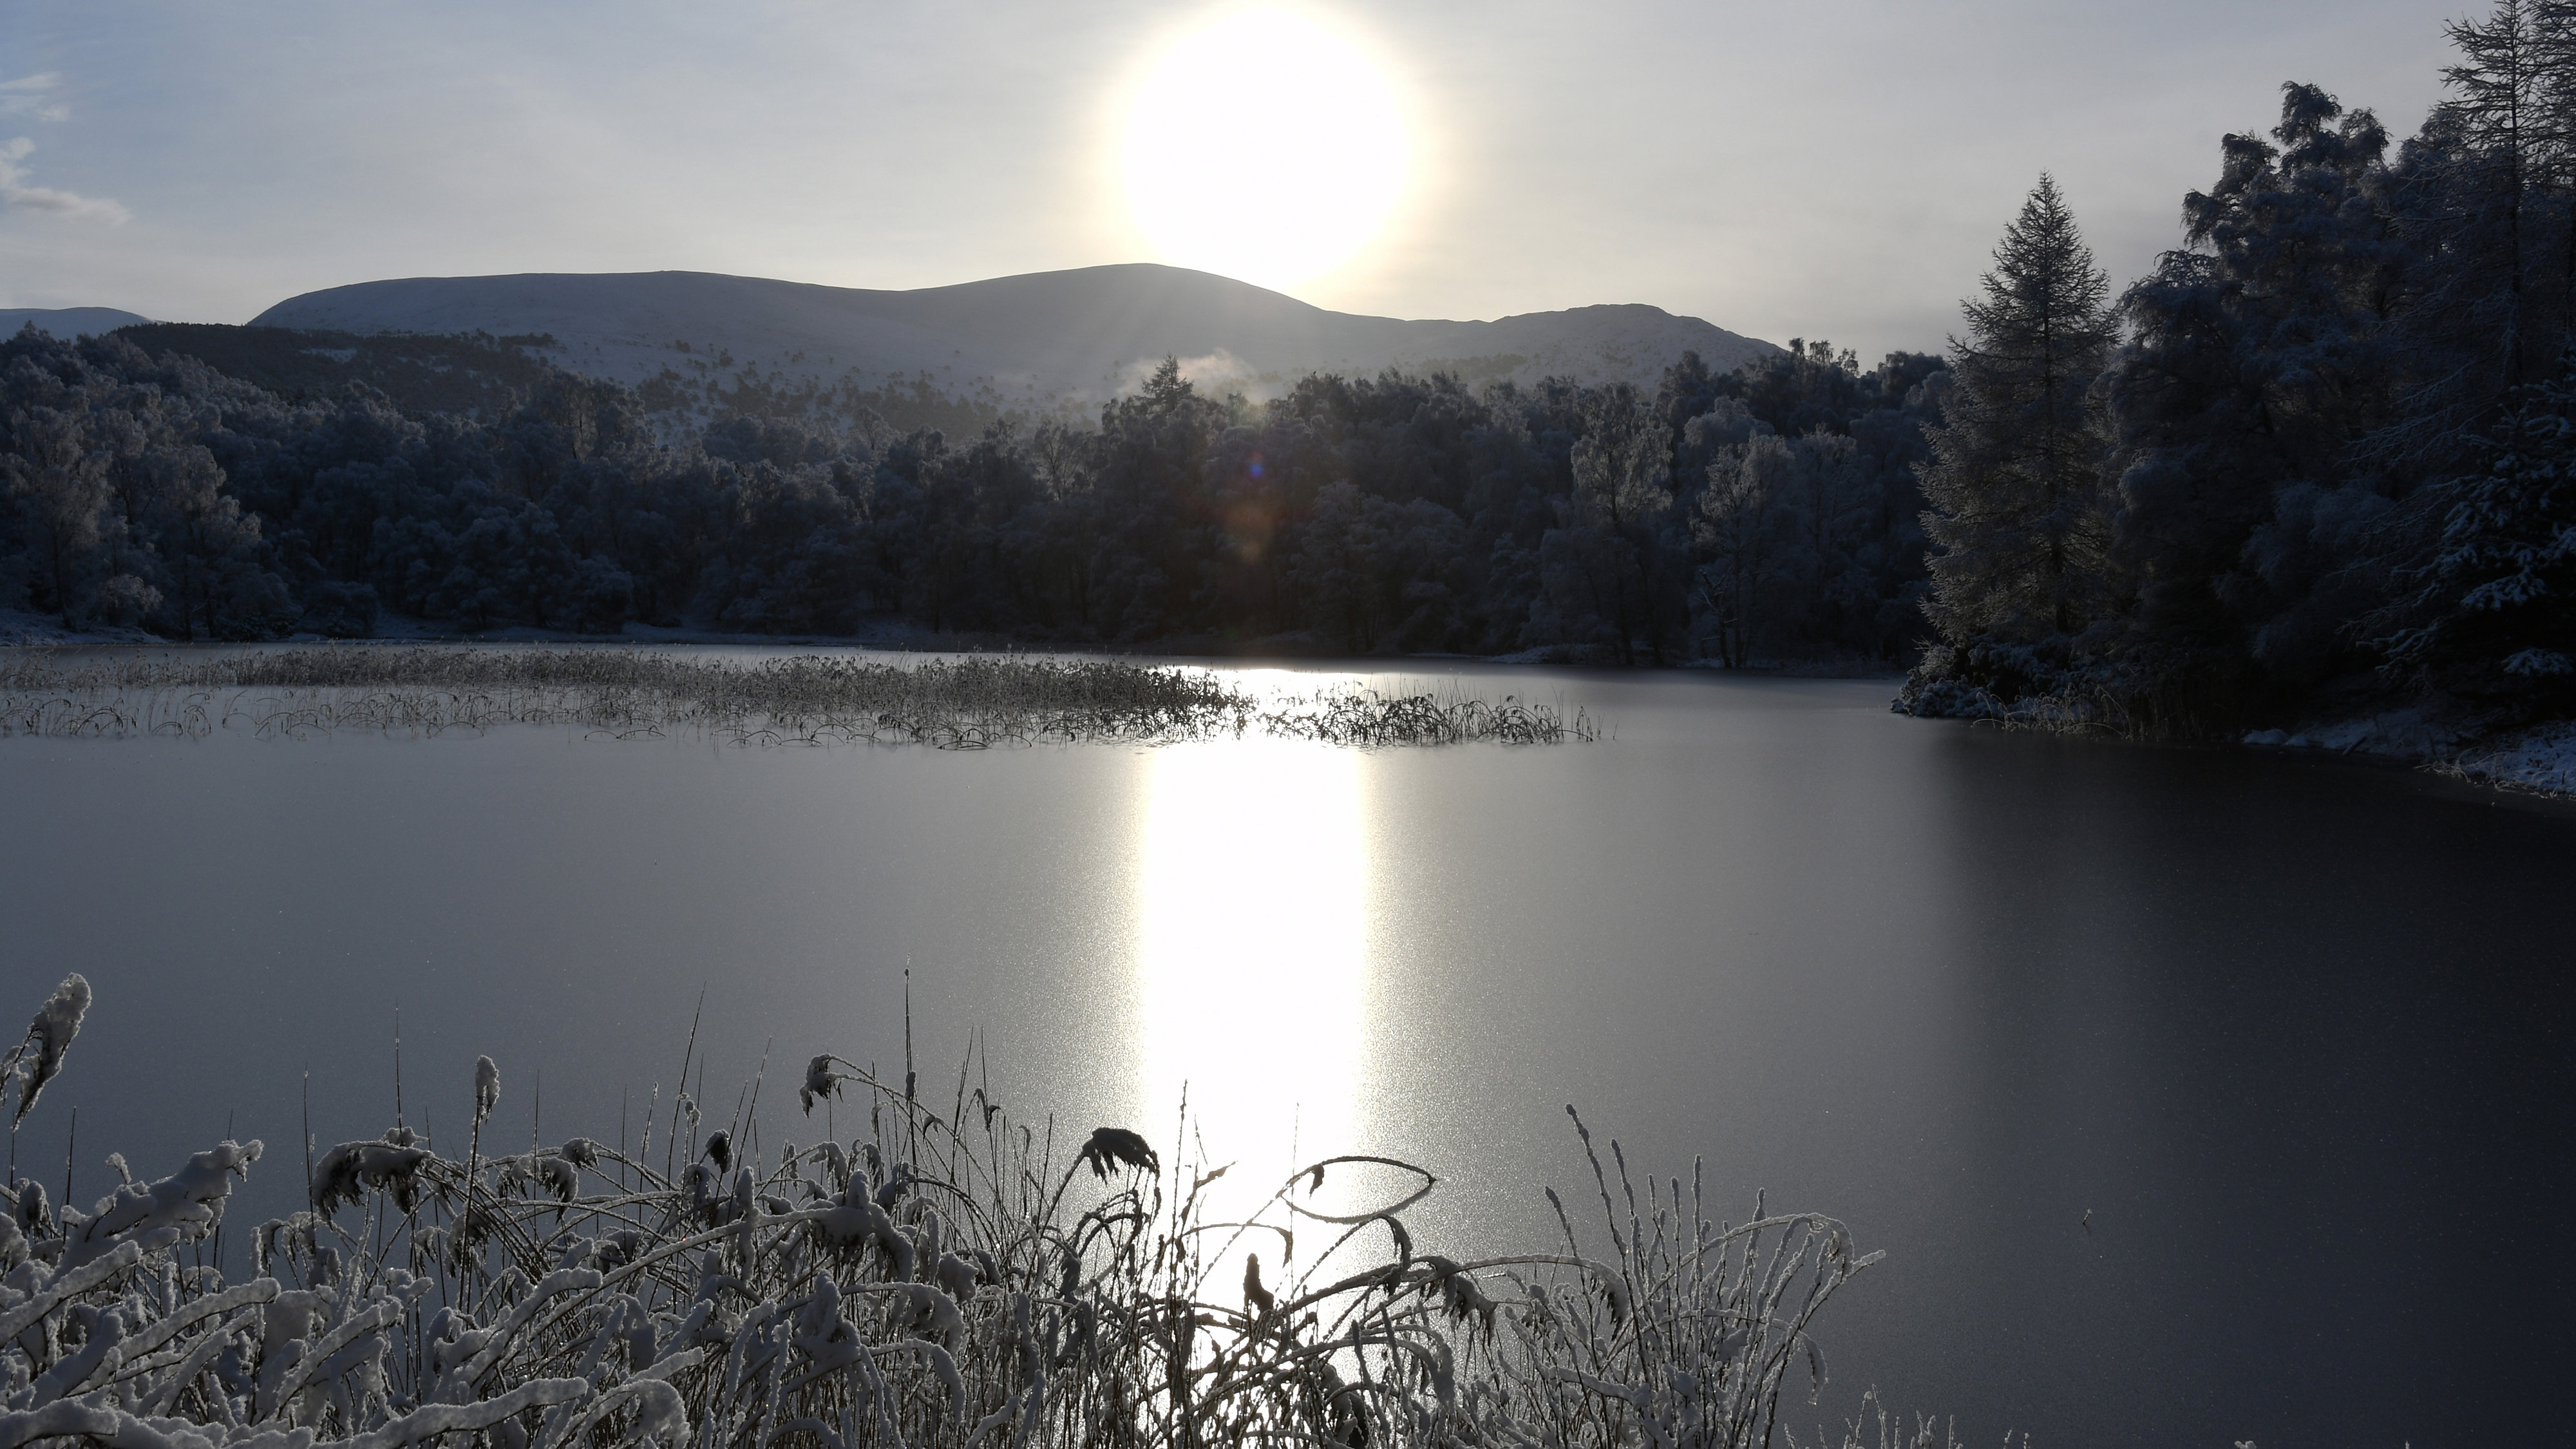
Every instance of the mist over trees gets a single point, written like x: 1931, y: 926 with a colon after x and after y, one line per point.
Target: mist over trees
x: 1764, y: 514
x: 2325, y: 460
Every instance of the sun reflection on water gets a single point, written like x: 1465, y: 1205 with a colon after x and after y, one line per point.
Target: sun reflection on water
x: 1253, y: 960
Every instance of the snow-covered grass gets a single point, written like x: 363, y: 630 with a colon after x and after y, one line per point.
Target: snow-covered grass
x: 954, y: 1277
x: 974, y: 702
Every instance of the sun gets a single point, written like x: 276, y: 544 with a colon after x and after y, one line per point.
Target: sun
x: 1263, y: 147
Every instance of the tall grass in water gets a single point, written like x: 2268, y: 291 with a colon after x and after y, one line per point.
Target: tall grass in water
x: 956, y: 1278
x: 972, y: 703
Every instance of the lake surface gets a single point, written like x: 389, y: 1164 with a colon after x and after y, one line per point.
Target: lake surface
x: 2296, y: 1034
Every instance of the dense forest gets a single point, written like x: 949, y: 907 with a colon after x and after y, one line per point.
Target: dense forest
x: 1767, y: 513
x: 2319, y: 457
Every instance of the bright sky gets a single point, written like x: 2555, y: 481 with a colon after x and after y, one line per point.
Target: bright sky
x: 1834, y: 168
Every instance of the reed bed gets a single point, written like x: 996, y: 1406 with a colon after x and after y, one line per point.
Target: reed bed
x: 978, y: 702
x: 965, y: 1277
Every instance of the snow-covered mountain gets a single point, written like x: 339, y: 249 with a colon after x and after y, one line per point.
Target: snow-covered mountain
x: 1040, y: 339
x: 66, y: 322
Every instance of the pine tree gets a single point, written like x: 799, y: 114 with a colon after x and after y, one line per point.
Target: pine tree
x: 2018, y: 508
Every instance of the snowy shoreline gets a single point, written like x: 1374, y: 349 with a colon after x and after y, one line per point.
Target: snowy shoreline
x: 2538, y: 759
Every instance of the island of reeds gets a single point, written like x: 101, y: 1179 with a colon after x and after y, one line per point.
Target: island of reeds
x: 958, y: 1274
x: 973, y: 702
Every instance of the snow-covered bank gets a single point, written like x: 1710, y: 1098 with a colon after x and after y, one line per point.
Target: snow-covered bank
x: 2540, y: 759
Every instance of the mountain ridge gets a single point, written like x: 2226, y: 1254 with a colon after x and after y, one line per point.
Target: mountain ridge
x: 68, y: 322
x: 1037, y: 338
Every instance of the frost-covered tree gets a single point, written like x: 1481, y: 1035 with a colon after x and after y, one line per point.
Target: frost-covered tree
x: 2497, y: 110
x: 1392, y: 513
x: 2018, y: 513
x: 1611, y: 568
x: 2496, y: 611
x: 1737, y: 531
x: 2486, y: 198
x: 1782, y: 530
x: 112, y: 509
x: 2259, y: 354
x: 57, y: 487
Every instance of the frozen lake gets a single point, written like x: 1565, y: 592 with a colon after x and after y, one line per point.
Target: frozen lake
x: 2294, y: 1034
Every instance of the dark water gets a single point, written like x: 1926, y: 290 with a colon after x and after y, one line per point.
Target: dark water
x: 2295, y: 1034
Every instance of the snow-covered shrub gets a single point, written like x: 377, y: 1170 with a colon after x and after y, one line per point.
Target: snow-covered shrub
x: 944, y: 1279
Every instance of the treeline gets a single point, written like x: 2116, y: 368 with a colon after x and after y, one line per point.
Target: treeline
x: 1766, y: 514
x: 473, y: 373
x: 2321, y: 455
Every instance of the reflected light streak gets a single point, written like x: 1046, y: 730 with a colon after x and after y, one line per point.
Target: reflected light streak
x: 1254, y: 953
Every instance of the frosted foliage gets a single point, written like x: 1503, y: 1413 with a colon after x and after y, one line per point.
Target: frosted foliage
x: 487, y: 1088
x: 2498, y: 602
x: 945, y: 1279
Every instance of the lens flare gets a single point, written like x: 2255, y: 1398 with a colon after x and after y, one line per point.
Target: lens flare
x: 1264, y: 147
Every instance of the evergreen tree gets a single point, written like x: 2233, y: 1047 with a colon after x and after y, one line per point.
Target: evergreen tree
x: 2497, y: 609
x: 2018, y: 511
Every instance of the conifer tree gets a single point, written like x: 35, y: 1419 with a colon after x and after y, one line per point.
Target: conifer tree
x: 2018, y: 509
x: 2497, y: 607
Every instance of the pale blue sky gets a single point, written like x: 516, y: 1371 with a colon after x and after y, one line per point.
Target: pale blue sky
x: 1825, y: 169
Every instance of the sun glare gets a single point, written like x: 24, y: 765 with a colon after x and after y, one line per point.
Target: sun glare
x: 1263, y: 147
x: 1255, y: 952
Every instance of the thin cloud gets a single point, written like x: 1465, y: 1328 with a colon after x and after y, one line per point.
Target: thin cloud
x: 28, y: 96
x: 16, y: 195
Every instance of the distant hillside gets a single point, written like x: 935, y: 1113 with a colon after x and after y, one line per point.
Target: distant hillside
x: 66, y: 322
x: 1027, y: 341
